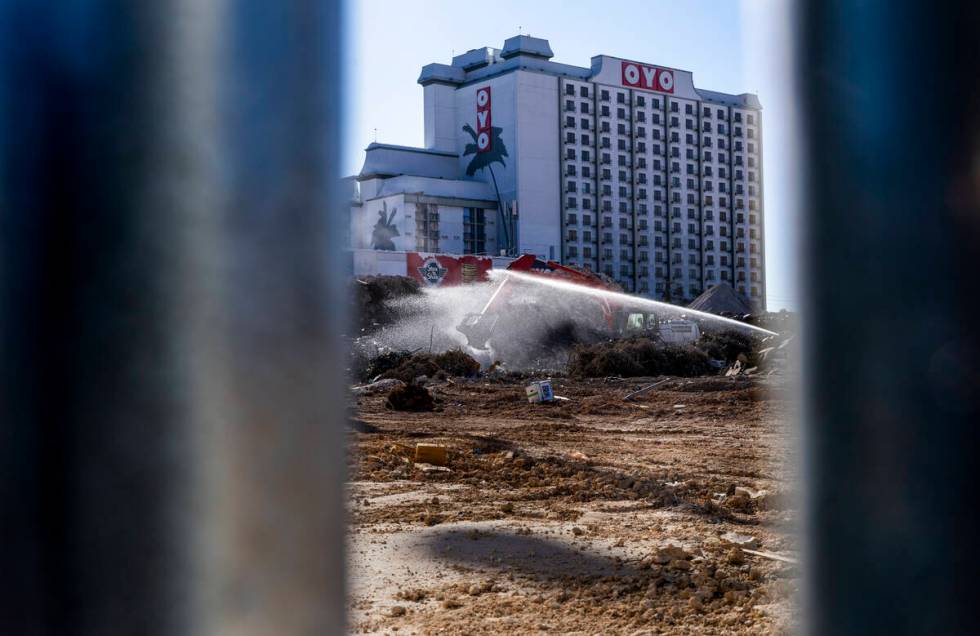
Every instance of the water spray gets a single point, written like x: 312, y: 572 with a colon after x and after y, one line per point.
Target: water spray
x: 625, y: 299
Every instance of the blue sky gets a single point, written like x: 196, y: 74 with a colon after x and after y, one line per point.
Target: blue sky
x: 732, y: 47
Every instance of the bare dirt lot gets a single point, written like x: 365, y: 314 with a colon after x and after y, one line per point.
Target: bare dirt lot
x: 588, y: 516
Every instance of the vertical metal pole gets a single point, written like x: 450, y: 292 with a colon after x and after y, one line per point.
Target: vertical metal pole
x: 171, y: 453
x: 892, y: 125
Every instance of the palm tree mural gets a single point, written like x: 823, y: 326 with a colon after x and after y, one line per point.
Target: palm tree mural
x: 385, y: 229
x: 483, y: 160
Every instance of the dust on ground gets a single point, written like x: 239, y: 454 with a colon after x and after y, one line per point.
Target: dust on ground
x: 591, y: 515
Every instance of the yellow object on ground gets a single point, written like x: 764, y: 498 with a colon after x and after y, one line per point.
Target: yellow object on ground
x: 431, y: 454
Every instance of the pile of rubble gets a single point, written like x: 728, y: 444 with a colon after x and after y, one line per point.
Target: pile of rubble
x: 373, y: 299
x: 635, y: 357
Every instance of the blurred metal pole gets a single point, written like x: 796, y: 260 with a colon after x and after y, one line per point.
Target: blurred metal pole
x: 892, y: 121
x: 171, y: 441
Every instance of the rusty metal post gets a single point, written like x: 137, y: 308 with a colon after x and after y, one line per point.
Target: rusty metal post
x: 171, y: 450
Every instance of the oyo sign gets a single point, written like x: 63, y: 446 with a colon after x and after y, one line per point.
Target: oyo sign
x: 648, y: 77
x: 483, y: 120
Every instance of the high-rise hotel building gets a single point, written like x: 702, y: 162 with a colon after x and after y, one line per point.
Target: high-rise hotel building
x: 623, y: 167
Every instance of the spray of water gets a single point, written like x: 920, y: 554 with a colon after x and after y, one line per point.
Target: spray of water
x: 625, y: 300
x: 537, y: 323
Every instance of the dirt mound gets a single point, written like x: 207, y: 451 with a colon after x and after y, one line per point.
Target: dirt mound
x: 637, y: 357
x: 728, y: 345
x: 410, y: 397
x: 407, y: 366
x: 372, y: 298
x: 457, y: 363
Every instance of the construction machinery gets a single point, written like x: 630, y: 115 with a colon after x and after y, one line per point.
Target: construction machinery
x: 517, y: 306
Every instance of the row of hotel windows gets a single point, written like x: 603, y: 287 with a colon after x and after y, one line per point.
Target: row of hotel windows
x: 640, y: 100
x: 640, y: 116
x: 624, y: 206
x: 641, y: 146
x: 641, y: 131
x: 572, y: 155
x: 692, y: 214
x: 693, y: 273
x: 571, y: 170
x: 675, y: 182
x: 691, y: 229
x: 677, y: 245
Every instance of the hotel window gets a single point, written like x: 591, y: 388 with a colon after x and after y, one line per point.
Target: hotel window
x: 474, y: 233
x: 584, y: 91
x: 569, y: 89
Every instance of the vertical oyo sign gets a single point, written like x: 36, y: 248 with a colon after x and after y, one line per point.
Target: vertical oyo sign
x: 483, y: 123
x: 648, y: 77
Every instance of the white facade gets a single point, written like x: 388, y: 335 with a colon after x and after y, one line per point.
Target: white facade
x: 623, y: 167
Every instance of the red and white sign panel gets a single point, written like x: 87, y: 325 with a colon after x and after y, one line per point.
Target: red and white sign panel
x: 651, y: 78
x: 483, y: 120
x: 435, y: 270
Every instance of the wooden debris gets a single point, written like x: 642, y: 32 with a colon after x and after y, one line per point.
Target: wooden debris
x: 770, y: 555
x: 630, y: 396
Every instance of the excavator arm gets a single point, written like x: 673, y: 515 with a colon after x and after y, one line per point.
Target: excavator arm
x: 479, y: 327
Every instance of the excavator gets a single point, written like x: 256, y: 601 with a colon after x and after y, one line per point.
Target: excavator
x: 514, y: 306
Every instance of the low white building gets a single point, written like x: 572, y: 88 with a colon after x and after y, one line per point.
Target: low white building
x: 622, y: 167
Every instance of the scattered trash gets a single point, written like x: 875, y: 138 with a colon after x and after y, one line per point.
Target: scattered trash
x: 740, y: 540
x: 431, y: 454
x: 410, y: 397
x: 748, y: 492
x: 735, y: 369
x: 680, y: 406
x: 579, y: 455
x: 431, y: 468
x: 771, y: 555
x: 540, y: 391
x: 632, y: 395
x: 381, y: 386
x: 562, y: 398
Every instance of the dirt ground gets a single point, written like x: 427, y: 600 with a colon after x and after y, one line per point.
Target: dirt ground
x: 592, y: 515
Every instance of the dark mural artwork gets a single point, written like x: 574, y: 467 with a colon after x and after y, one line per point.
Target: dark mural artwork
x: 482, y: 160
x: 384, y: 230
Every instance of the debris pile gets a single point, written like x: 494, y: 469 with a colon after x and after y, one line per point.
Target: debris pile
x: 637, y: 357
x: 373, y: 300
x: 408, y: 366
x: 410, y: 397
x: 722, y: 300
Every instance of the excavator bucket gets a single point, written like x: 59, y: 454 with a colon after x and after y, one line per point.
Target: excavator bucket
x: 478, y: 328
